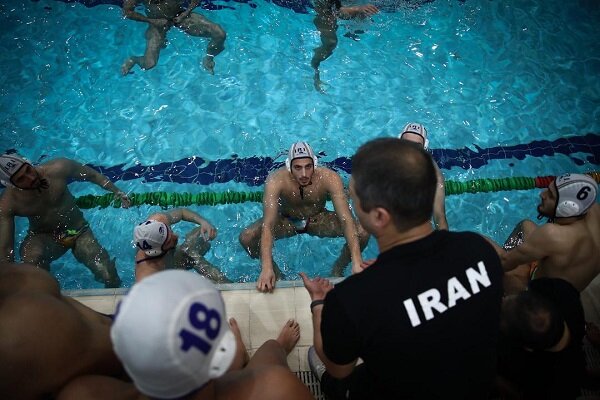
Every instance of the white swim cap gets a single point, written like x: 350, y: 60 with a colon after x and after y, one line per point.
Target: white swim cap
x: 10, y: 164
x: 300, y: 150
x: 171, y: 334
x: 150, y: 236
x: 576, y: 194
x: 417, y: 129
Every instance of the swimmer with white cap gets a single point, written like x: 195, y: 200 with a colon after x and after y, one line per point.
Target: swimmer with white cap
x: 56, y: 224
x: 415, y: 132
x: 566, y: 247
x: 294, y: 203
x: 158, y: 249
x: 172, y: 335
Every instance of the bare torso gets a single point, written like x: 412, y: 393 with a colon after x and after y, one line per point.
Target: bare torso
x: 576, y: 255
x: 46, y: 339
x: 48, y: 210
x: 313, y: 199
x: 167, y: 9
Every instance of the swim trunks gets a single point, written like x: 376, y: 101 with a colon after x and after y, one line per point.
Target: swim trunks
x: 300, y: 225
x: 67, y: 238
x: 533, y: 266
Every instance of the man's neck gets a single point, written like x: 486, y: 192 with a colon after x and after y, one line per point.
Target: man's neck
x: 392, y: 238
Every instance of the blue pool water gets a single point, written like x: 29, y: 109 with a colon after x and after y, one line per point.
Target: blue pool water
x: 505, y: 89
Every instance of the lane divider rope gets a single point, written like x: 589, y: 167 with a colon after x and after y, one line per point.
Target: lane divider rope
x: 174, y: 199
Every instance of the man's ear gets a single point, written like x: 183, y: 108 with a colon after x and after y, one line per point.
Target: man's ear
x: 380, y: 217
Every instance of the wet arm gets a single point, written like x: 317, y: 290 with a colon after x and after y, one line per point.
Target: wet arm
x: 361, y: 11
x: 538, y: 245
x: 336, y: 370
x: 193, y: 4
x: 439, y: 203
x: 184, y: 214
x: 342, y: 210
x: 80, y: 172
x: 270, y: 210
x: 7, y: 237
x: 130, y: 13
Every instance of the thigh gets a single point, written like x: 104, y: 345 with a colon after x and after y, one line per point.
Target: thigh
x: 155, y: 39
x: 41, y: 249
x: 325, y: 224
x: 282, y: 228
x: 87, y: 249
x: 197, y: 25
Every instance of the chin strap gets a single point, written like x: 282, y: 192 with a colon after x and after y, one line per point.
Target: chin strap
x: 301, y: 188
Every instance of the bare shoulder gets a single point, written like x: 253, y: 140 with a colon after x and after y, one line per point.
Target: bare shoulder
x: 160, y: 217
x: 59, y: 166
x: 277, y: 179
x: 331, y: 179
x: 279, y: 175
x: 16, y: 278
x: 328, y: 174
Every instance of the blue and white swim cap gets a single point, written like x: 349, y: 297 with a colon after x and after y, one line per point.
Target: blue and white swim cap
x: 576, y: 193
x: 417, y: 129
x: 10, y: 164
x: 149, y: 236
x: 171, y: 334
x: 300, y: 150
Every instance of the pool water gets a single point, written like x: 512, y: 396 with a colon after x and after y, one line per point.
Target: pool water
x: 505, y: 89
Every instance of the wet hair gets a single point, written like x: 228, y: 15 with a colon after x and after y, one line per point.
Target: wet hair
x: 397, y: 175
x: 533, y: 321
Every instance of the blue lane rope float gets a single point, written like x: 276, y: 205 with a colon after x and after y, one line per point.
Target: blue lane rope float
x: 184, y: 199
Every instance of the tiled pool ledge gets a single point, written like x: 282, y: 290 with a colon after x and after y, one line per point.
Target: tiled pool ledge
x: 220, y: 286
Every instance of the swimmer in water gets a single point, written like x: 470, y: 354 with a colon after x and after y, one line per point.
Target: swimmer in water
x: 294, y: 203
x: 328, y: 11
x: 158, y: 250
x: 567, y: 246
x: 56, y: 224
x: 160, y: 16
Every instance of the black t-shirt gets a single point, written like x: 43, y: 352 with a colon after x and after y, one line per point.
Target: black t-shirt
x: 424, y: 318
x: 543, y: 374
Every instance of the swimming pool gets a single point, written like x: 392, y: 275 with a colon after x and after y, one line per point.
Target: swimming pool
x: 505, y: 89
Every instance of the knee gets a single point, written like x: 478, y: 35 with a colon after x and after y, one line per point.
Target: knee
x: 219, y: 34
x: 363, y: 237
x: 35, y: 257
x: 149, y: 63
x: 330, y: 42
x: 248, y: 241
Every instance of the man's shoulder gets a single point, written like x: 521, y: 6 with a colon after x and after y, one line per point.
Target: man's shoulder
x: 277, y: 176
x: 329, y: 178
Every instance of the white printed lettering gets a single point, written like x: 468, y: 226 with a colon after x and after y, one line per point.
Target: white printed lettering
x: 475, y: 277
x: 430, y: 300
x: 456, y: 291
x: 412, y: 312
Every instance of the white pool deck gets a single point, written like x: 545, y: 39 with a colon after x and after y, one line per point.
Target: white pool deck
x: 260, y: 316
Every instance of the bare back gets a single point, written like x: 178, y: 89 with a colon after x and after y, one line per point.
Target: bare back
x: 574, y: 252
x: 46, y: 340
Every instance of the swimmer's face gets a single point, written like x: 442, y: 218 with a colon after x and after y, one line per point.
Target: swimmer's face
x: 27, y: 178
x: 413, y: 137
x: 302, y: 170
x: 548, y: 200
